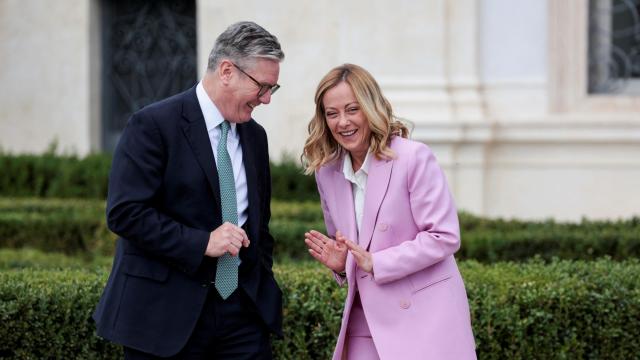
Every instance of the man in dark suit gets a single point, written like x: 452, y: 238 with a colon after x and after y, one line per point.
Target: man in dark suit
x: 189, y: 196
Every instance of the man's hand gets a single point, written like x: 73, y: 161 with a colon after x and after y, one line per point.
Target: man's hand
x: 226, y: 238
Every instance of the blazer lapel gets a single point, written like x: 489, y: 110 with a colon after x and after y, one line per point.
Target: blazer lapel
x: 377, y: 186
x: 195, y: 130
x: 345, y: 220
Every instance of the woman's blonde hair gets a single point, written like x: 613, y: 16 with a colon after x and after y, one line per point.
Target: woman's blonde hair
x: 321, y: 148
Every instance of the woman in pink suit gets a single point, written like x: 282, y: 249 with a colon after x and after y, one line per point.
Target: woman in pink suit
x: 392, y: 226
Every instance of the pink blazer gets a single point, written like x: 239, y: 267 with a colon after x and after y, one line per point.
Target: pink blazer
x: 415, y: 304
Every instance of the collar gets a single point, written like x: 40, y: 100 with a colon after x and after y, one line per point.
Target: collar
x: 212, y: 116
x: 347, y: 167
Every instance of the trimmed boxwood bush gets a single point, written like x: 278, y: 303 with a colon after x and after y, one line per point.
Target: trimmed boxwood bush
x: 51, y: 175
x: 532, y: 310
x: 78, y: 227
x: 47, y: 315
x: 70, y: 226
x: 67, y: 176
x: 300, y: 211
x: 13, y: 259
x: 491, y: 240
x: 289, y: 183
x: 556, y: 310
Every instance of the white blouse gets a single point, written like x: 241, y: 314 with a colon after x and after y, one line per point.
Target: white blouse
x: 358, y: 181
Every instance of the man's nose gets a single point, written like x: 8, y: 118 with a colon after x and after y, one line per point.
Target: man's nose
x: 266, y: 97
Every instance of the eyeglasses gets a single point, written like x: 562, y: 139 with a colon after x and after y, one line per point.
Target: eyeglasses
x: 263, y: 87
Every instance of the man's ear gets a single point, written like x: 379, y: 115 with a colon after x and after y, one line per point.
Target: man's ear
x: 225, y: 71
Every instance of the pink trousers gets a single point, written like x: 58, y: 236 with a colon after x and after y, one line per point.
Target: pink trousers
x: 359, y: 344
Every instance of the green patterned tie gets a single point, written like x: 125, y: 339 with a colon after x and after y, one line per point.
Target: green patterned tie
x: 227, y: 269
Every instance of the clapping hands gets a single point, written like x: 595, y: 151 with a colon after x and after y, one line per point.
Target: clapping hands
x: 333, y: 253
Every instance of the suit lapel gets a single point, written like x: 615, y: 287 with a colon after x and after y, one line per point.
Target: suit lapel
x: 195, y: 130
x: 343, y: 198
x: 377, y: 185
x: 249, y: 162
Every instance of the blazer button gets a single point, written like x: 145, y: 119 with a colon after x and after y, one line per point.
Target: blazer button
x: 383, y: 227
x: 405, y: 304
x: 204, y: 285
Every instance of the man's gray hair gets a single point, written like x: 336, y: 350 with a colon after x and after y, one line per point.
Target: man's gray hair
x: 243, y: 41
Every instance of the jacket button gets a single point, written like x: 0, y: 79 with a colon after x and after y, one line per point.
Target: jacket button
x: 405, y: 304
x: 383, y: 227
x: 204, y: 285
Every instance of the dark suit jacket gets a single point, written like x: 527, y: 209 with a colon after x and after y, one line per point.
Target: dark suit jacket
x: 164, y: 200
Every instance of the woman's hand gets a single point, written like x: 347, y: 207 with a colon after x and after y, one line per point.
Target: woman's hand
x: 331, y: 253
x: 362, y: 257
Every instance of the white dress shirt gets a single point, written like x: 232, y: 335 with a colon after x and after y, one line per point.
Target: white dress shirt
x: 358, y: 181
x: 213, y: 119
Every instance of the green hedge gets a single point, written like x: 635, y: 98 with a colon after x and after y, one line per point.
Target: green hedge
x: 14, y: 259
x: 558, y: 310
x: 78, y: 227
x: 59, y: 225
x: 51, y: 175
x: 490, y: 240
x: 75, y: 226
x: 290, y: 184
x: 47, y: 315
x: 68, y: 176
